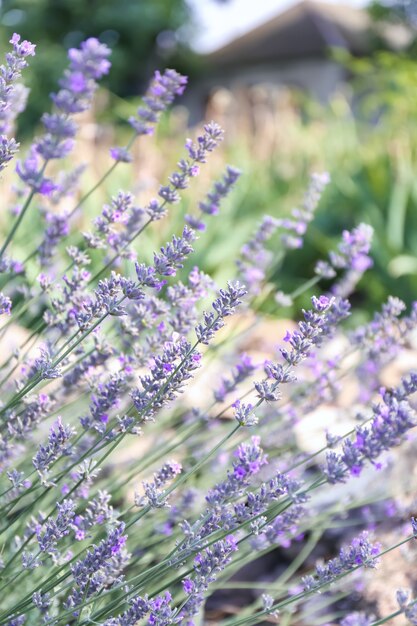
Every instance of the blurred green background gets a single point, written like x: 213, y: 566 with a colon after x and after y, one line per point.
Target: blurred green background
x: 365, y: 136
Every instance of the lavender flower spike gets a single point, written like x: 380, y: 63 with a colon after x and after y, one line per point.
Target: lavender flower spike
x: 5, y: 304
x: 172, y: 256
x: 211, y: 205
x: 361, y: 551
x: 207, y: 566
x: 213, y: 135
x: 187, y: 168
x: 138, y: 608
x: 223, y: 306
x: 87, y: 64
x: 392, y: 419
x: 153, y: 495
x: 255, y: 258
x: 166, y: 378
x: 296, y: 226
x: 9, y: 75
x: 56, y: 529
x: 99, y: 568
x: 352, y: 256
x: 161, y: 93
x: 12, y: 95
x: 241, y: 371
x: 8, y: 148
x: 58, y: 444
x: 407, y: 605
x: 250, y: 458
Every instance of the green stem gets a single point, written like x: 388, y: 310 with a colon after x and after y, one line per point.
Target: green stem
x: 21, y: 215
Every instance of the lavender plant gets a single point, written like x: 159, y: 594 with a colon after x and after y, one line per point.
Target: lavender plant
x: 149, y: 458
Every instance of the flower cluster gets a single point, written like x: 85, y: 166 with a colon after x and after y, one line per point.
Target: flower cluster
x: 58, y: 445
x: 121, y: 378
x: 86, y: 66
x: 12, y: 94
x: 254, y: 257
x: 207, y: 566
x: 99, y: 568
x: 361, y: 551
x: 296, y: 226
x: 223, y: 306
x: 211, y: 204
x: 56, y: 529
x: 153, y: 496
x: 351, y: 257
x: 161, y: 93
x: 240, y: 372
x: 250, y: 459
x: 391, y: 420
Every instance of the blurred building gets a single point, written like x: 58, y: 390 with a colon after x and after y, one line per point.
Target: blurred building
x: 292, y: 50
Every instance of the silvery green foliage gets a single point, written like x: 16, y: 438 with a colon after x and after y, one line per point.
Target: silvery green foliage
x: 130, y: 486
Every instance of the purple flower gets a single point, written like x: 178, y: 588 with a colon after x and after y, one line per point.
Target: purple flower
x: 97, y: 512
x: 207, y: 566
x: 44, y: 366
x: 161, y: 93
x: 22, y: 424
x: 42, y: 601
x: 250, y: 458
x: 309, y: 331
x: 138, y: 609
x: 12, y: 94
x: 58, y: 140
x: 8, y: 148
x: 211, y: 205
x: 160, y: 387
x: 361, y: 551
x: 380, y: 341
x: 57, y: 227
x: 16, y: 621
x: 106, y: 397
x: 87, y: 64
x: 161, y: 612
x: 255, y: 259
x: 5, y: 305
x: 56, y: 529
x: 392, y: 419
x: 356, y: 619
x: 100, y: 568
x: 154, y: 497
x: 90, y: 59
x: 241, y: 371
x: 188, y: 586
x: 58, y: 445
x: 172, y: 256
x: 223, y: 306
x: 352, y: 256
x: 24, y: 48
x: 121, y: 154
x: 179, y: 180
x: 407, y: 605
x: 30, y: 171
x: 18, y: 480
x: 296, y: 226
x: 213, y: 135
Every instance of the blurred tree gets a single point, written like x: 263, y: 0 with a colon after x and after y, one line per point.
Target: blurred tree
x: 404, y: 11
x: 142, y: 33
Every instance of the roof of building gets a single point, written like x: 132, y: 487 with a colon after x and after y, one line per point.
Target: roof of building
x: 309, y: 29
